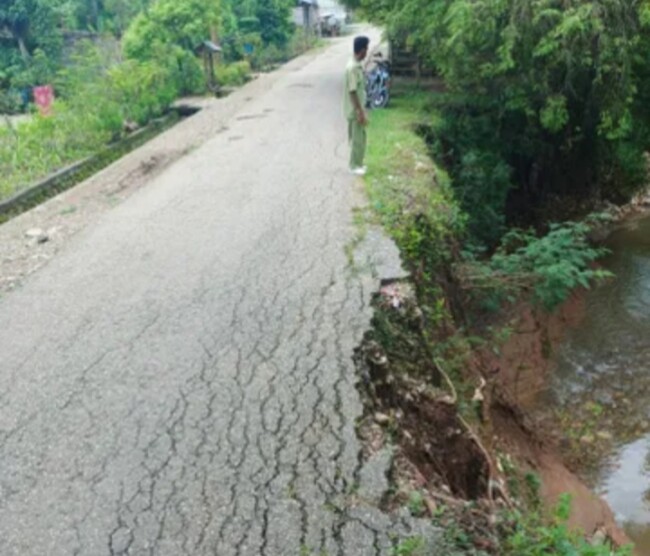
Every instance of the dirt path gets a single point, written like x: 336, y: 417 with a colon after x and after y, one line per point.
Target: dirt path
x: 178, y: 378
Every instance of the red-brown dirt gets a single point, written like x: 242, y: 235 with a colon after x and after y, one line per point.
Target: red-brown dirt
x: 518, y: 375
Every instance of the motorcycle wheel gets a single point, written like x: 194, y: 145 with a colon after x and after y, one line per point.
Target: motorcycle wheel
x: 381, y: 99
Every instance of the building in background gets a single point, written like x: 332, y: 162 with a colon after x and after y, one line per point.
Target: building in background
x: 305, y: 14
x: 332, y: 7
x: 319, y: 15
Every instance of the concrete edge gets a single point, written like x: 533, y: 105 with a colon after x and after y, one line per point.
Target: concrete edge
x: 23, y: 197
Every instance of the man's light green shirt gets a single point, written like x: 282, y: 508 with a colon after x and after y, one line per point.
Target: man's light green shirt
x: 355, y: 82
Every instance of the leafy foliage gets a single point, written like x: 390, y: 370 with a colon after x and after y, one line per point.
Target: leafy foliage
x: 168, y: 24
x: 170, y: 32
x: 410, y: 547
x: 552, y: 265
x: 533, y: 535
x: 38, y: 28
x: 263, y: 26
x: 99, y: 99
x: 97, y: 90
x: 35, y: 41
x: 233, y: 74
x: 274, y: 18
x: 34, y: 32
x: 545, y: 99
x: 104, y: 15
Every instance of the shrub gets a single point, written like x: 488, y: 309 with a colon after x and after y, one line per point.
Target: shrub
x: 270, y: 55
x: 143, y: 90
x: 187, y: 72
x: 41, y: 70
x: 532, y: 535
x: 552, y: 265
x: 232, y: 75
x: 95, y: 102
x: 300, y: 42
x: 169, y: 32
x: 274, y: 18
x: 10, y: 102
x: 170, y: 23
x: 46, y: 144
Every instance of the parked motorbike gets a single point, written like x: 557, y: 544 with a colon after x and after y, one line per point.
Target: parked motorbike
x: 378, y: 83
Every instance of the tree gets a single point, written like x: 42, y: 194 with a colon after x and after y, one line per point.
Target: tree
x: 32, y: 55
x: 271, y: 19
x: 169, y: 32
x: 545, y: 99
x: 182, y: 23
x: 120, y: 13
x: 32, y: 24
x: 103, y: 15
x: 274, y: 18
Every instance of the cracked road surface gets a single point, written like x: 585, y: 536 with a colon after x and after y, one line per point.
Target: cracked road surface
x: 178, y: 381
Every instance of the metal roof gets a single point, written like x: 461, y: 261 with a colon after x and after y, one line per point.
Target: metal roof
x: 212, y: 47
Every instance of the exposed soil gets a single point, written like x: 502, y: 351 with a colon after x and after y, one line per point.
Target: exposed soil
x: 438, y: 445
x: 520, y: 368
x: 519, y: 373
x: 534, y: 451
x: 455, y: 461
x: 408, y: 407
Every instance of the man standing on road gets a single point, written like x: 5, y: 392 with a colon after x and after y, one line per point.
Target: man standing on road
x: 355, y: 105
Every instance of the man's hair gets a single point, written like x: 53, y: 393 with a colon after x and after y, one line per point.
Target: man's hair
x: 361, y: 44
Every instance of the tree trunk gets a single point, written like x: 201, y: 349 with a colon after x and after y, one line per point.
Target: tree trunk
x: 94, y: 14
x: 23, y: 48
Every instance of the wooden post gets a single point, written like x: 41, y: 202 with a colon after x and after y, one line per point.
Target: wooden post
x: 213, y: 79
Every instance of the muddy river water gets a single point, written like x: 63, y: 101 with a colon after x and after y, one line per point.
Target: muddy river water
x: 604, y: 366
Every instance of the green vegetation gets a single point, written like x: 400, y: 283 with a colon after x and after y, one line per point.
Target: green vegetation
x: 169, y: 25
x: 546, y: 104
x: 402, y: 176
x: 553, y: 266
x: 118, y: 64
x: 410, y: 195
x: 233, y: 74
x: 538, y: 532
x: 169, y: 33
x: 418, y: 204
x: 98, y: 101
x: 535, y: 535
x: 416, y: 504
x: 542, y: 117
x: 37, y: 34
x: 410, y: 547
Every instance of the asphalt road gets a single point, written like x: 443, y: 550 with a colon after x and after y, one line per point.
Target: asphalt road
x: 178, y: 381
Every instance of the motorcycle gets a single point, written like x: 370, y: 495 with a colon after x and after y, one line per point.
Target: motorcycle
x: 378, y: 83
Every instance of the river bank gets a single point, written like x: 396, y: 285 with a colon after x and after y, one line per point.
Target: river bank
x: 453, y: 393
x: 603, y: 377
